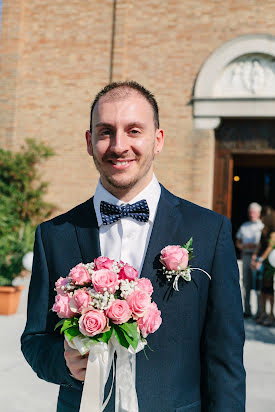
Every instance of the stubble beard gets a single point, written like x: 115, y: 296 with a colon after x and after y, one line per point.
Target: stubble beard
x: 126, y: 185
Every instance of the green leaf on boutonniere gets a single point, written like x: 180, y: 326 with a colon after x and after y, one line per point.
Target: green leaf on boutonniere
x: 103, y: 337
x: 188, y: 246
x: 72, y: 332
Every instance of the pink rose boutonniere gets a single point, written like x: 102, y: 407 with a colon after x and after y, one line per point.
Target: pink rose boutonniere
x: 175, y: 260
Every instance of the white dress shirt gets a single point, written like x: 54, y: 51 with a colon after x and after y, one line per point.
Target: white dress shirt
x: 250, y: 232
x: 127, y: 239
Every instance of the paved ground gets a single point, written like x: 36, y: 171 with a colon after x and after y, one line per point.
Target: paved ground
x: 22, y: 391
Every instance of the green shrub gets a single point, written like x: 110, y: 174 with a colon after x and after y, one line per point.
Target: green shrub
x: 22, y: 205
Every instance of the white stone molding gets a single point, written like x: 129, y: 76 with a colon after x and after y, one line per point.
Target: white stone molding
x: 237, y: 80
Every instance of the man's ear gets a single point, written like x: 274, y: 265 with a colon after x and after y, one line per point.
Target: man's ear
x: 159, y: 141
x: 89, y: 142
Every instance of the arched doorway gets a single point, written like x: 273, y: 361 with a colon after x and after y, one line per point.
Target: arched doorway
x: 235, y: 95
x: 244, y: 166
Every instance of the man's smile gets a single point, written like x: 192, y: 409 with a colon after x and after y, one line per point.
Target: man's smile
x: 121, y: 164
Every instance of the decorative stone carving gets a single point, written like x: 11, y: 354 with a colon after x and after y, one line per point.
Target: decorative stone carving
x: 237, y: 80
x: 250, y: 75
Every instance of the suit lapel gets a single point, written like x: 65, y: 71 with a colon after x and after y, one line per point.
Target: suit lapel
x: 164, y: 229
x: 174, y: 225
x: 87, y: 232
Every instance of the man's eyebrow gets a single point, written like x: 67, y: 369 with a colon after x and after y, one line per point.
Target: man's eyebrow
x: 132, y: 124
x: 136, y: 124
x: 102, y: 124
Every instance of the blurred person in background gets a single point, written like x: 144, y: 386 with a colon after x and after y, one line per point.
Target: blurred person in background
x: 260, y: 260
x: 247, y: 240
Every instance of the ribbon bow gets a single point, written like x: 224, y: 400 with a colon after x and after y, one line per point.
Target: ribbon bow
x: 112, y: 213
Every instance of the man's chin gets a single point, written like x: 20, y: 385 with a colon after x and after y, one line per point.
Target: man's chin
x: 121, y: 184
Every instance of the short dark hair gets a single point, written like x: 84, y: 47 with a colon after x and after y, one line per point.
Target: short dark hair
x: 128, y: 85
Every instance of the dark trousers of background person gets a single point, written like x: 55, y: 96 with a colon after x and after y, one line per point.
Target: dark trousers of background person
x: 247, y: 283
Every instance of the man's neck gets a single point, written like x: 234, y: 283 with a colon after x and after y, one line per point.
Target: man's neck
x: 126, y: 195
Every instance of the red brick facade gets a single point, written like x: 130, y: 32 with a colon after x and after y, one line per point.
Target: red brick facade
x: 55, y: 56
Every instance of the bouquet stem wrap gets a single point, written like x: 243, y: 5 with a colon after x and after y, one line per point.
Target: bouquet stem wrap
x: 101, y: 358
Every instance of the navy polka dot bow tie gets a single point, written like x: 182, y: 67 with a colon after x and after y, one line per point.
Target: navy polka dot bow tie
x: 112, y: 213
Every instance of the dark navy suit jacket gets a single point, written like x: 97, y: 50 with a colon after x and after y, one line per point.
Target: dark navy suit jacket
x: 197, y: 360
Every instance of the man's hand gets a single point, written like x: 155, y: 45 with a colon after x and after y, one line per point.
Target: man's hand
x: 76, y: 363
x: 255, y: 265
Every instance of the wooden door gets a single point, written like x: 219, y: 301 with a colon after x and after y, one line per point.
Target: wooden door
x: 223, y: 181
x: 237, y: 137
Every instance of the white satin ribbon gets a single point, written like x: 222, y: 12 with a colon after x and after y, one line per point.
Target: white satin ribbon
x: 186, y: 275
x: 101, y: 357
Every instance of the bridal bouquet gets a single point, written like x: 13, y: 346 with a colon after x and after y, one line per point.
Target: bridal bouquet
x: 105, y: 308
x: 104, y: 297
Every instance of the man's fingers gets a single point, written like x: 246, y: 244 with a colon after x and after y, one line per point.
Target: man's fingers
x: 70, y: 352
x: 76, y: 363
x: 80, y: 375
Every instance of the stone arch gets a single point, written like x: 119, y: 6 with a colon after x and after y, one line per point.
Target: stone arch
x: 215, y: 96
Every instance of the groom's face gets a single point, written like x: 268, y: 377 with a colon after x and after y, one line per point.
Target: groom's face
x: 124, y: 142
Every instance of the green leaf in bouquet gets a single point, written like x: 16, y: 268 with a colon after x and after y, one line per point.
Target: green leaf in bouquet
x: 117, y: 294
x: 131, y: 329
x: 130, y: 332
x: 68, y: 323
x: 60, y: 323
x: 103, y: 337
x: 121, y: 337
x: 72, y: 332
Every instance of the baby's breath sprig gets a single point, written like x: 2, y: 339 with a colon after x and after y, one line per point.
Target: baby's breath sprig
x: 101, y: 301
x: 126, y: 287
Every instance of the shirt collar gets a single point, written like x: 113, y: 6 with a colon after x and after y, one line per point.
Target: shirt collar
x: 151, y: 193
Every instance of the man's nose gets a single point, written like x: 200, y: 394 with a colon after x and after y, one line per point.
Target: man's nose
x: 119, y: 142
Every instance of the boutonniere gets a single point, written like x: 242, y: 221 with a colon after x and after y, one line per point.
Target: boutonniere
x: 175, y: 260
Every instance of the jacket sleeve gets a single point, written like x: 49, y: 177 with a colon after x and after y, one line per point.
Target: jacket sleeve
x: 223, y: 374
x: 41, y: 346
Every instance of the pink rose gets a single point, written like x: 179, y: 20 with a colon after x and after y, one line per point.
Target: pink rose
x: 151, y: 320
x: 174, y: 257
x: 80, y: 275
x: 103, y: 262
x: 119, y: 312
x: 92, y: 323
x: 62, y: 306
x: 60, y: 284
x: 80, y: 300
x: 128, y: 272
x: 105, y: 279
x: 145, y: 285
x: 138, y: 302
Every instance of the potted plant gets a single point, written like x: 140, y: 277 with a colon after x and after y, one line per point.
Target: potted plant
x: 13, y: 246
x: 22, y: 207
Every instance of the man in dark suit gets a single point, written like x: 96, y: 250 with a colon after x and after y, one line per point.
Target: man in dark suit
x: 197, y: 359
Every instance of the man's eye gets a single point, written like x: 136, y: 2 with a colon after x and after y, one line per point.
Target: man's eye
x: 105, y: 132
x: 134, y: 131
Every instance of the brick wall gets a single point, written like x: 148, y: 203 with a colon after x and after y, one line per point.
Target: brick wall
x: 57, y: 54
